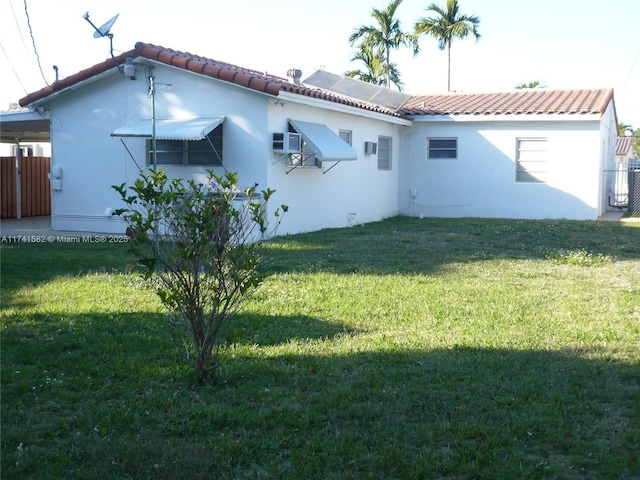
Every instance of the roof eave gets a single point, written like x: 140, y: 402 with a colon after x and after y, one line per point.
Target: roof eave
x: 529, y: 117
x: 76, y: 80
x: 54, y: 94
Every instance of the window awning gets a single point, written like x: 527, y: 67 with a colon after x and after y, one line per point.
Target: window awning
x: 170, y: 128
x: 325, y: 145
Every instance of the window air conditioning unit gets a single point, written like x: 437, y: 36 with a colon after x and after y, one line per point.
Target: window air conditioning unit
x: 370, y: 148
x: 287, y: 142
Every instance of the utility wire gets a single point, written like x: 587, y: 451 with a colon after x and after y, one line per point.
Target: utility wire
x: 13, y: 68
x: 26, y: 11
x: 15, y: 19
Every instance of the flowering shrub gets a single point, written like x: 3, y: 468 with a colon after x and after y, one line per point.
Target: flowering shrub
x: 199, y: 243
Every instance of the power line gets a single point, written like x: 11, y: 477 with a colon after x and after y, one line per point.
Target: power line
x: 13, y: 68
x: 26, y: 11
x: 15, y: 19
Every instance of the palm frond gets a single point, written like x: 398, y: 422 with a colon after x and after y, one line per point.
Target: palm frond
x: 445, y: 25
x: 385, y: 35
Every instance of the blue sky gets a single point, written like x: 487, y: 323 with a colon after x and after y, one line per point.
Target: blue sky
x: 562, y: 43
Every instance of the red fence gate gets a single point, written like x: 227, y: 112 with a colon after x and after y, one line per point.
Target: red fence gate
x: 34, y: 183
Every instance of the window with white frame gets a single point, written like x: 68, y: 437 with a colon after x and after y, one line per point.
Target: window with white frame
x: 186, y: 152
x: 346, y: 136
x: 442, y: 148
x: 531, y: 160
x: 384, y: 153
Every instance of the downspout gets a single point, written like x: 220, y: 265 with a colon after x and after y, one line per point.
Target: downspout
x: 413, y: 191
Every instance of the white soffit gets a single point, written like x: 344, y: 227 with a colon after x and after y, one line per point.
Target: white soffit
x: 192, y: 129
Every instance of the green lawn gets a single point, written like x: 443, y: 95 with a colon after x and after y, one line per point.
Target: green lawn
x: 405, y: 349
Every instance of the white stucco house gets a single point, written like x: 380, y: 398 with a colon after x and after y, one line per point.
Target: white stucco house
x: 521, y: 154
x: 337, y: 151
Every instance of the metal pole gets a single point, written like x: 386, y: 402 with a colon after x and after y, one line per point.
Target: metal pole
x: 152, y: 89
x: 18, y: 180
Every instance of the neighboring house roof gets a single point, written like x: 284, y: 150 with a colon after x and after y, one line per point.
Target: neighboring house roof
x: 252, y: 79
x: 623, y: 145
x: 516, y: 102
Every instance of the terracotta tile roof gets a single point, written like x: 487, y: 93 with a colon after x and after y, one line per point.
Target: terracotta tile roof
x: 623, y: 145
x: 516, y: 102
x: 252, y: 79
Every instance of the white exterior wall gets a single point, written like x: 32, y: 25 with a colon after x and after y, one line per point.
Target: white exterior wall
x: 608, y: 136
x: 481, y: 182
x: 92, y: 161
x: 352, y: 192
x: 81, y: 124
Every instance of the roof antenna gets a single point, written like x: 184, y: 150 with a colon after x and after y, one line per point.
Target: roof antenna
x: 104, y: 31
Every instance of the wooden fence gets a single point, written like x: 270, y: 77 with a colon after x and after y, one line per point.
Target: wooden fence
x: 35, y: 187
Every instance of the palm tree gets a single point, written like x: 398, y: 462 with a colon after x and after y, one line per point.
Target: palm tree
x: 385, y: 36
x: 624, y: 129
x: 376, y: 73
x: 447, y: 25
x: 533, y: 84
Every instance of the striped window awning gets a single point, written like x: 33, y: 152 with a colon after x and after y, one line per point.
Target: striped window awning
x: 192, y: 129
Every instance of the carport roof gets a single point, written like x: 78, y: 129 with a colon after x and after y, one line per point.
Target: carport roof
x: 24, y: 126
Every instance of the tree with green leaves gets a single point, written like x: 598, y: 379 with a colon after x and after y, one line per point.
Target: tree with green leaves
x: 382, y: 37
x: 198, y: 244
x: 636, y: 142
x: 375, y: 71
x: 532, y: 84
x: 446, y: 24
x: 624, y: 129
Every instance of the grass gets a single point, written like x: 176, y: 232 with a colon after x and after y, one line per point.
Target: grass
x: 446, y: 349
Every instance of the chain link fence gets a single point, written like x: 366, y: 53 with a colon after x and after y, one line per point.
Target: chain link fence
x: 634, y: 191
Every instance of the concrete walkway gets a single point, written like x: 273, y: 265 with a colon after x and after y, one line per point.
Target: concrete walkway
x: 25, y: 226
x: 617, y: 217
x: 34, y: 227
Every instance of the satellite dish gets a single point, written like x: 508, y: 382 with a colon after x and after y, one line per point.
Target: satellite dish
x: 103, y: 31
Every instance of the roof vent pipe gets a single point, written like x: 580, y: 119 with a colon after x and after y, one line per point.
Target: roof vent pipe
x: 295, y: 75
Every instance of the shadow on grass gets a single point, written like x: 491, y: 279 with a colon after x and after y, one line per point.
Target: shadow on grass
x: 396, y: 245
x: 33, y: 263
x: 107, y: 396
x: 412, y: 245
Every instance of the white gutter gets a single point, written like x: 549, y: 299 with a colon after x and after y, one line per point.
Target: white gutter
x: 528, y: 117
x: 33, y: 105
